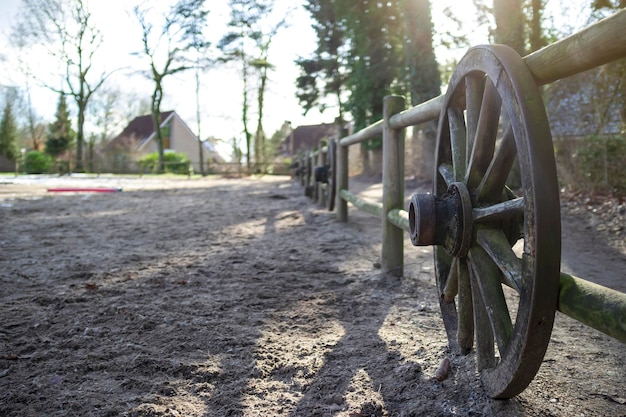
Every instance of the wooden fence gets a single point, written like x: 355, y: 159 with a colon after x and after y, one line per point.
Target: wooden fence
x: 601, y: 308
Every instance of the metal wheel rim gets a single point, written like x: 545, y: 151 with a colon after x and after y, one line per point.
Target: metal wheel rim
x: 486, y: 72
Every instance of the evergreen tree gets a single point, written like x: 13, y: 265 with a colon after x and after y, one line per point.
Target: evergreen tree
x: 422, y: 76
x: 324, y: 74
x: 364, y: 46
x: 8, y: 133
x: 194, y: 11
x: 375, y: 57
x: 369, y: 49
x: 60, y: 133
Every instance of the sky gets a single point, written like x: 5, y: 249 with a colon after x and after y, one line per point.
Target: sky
x: 221, y: 87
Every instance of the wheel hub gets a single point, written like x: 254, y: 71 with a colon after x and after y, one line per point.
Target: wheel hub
x: 445, y: 220
x: 321, y: 174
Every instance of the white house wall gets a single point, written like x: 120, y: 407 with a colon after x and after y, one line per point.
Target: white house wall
x: 183, y: 140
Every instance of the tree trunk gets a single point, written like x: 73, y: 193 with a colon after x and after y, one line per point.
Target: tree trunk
x: 156, y: 119
x: 90, y: 148
x: 536, y: 33
x: 259, y: 140
x: 200, y: 149
x: 244, y: 112
x: 509, y: 18
x: 424, y: 79
x: 80, y: 135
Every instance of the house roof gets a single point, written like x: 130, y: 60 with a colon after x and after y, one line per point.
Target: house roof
x: 138, y: 131
x: 141, y: 129
x: 307, y: 137
x: 165, y: 119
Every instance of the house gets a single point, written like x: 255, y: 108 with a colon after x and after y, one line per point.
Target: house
x: 588, y: 104
x: 139, y: 139
x: 307, y: 137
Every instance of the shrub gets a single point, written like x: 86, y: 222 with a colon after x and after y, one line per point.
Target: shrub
x: 36, y: 162
x: 175, y: 163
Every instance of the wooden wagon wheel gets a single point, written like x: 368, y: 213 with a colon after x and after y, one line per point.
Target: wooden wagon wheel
x: 331, y: 154
x: 301, y: 168
x: 308, y: 174
x: 492, y: 116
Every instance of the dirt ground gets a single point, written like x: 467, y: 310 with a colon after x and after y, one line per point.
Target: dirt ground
x: 220, y: 297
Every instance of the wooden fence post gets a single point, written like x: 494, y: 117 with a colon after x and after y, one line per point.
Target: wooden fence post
x: 392, y: 256
x: 321, y: 162
x: 342, y: 181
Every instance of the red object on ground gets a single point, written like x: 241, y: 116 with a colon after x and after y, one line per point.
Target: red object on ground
x: 84, y: 190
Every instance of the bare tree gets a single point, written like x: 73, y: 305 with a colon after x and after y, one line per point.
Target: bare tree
x: 34, y: 126
x: 263, y: 65
x: 106, y: 116
x: 193, y: 11
x: 248, y: 42
x: 66, y: 29
x: 166, y: 47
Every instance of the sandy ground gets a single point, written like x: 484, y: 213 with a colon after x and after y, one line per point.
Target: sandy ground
x: 220, y: 297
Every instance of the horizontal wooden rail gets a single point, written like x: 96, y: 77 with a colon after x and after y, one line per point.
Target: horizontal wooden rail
x: 429, y: 110
x: 364, y: 134
x: 400, y: 219
x: 597, y: 44
x: 370, y: 207
x: 596, y: 306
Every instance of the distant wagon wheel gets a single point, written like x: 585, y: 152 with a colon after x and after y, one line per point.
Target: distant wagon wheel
x: 493, y: 116
x: 308, y: 174
x: 331, y: 154
x: 301, y: 170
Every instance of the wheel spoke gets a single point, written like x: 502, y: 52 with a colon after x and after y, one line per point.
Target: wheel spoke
x: 443, y: 265
x: 495, y: 243
x: 485, y: 357
x: 490, y: 188
x: 486, y: 132
x: 504, y: 210
x: 465, y: 331
x: 451, y: 287
x: 458, y: 142
x: 474, y: 89
x: 489, y: 282
x: 446, y: 172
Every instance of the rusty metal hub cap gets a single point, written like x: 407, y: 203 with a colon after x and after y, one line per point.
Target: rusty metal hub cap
x: 445, y: 220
